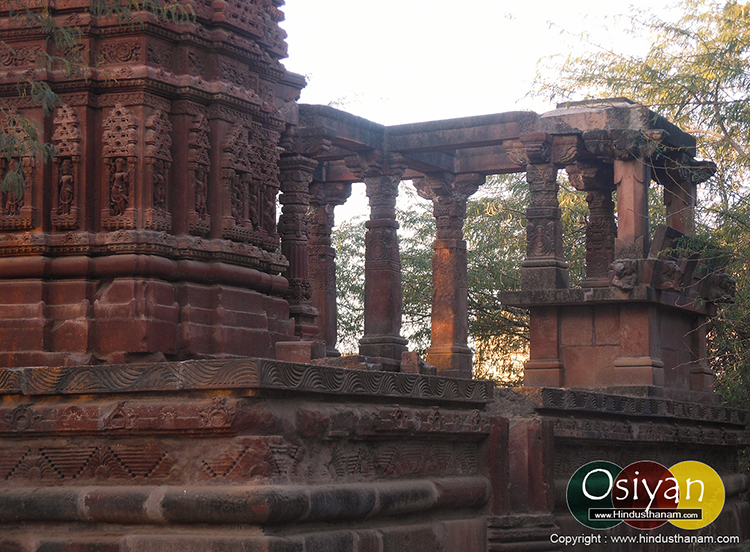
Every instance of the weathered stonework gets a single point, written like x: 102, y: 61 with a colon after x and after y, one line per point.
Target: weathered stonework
x: 161, y: 202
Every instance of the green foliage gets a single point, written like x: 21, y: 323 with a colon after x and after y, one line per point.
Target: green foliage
x: 349, y: 241
x: 697, y: 74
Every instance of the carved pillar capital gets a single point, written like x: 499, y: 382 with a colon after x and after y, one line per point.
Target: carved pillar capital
x: 588, y: 176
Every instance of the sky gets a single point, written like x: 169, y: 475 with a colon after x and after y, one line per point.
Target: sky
x: 403, y: 61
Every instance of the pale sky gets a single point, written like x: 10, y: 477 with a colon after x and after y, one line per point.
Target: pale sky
x: 402, y: 61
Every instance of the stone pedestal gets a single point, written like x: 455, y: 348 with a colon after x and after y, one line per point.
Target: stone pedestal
x: 647, y: 341
x: 252, y: 454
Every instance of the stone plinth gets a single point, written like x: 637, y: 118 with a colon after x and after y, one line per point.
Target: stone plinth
x: 553, y: 432
x: 648, y: 340
x: 241, y: 455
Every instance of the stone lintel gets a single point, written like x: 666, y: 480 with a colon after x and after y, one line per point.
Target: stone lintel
x: 613, y: 114
x: 603, y: 295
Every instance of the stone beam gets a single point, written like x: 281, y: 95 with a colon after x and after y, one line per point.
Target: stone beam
x: 453, y: 134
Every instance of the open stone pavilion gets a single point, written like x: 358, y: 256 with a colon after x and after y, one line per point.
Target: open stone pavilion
x: 169, y: 378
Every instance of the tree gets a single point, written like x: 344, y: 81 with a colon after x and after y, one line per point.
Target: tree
x: 697, y: 74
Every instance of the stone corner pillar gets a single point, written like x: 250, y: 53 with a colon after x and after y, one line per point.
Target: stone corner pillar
x: 383, y: 297
x: 545, y: 266
x: 597, y: 179
x: 295, y: 176
x: 449, y: 351
x: 324, y: 197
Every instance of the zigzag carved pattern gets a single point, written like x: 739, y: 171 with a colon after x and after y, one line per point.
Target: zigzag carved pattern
x: 85, y: 462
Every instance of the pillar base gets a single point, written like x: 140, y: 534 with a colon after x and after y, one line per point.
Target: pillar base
x: 543, y: 373
x: 385, y: 346
x: 452, y: 362
x: 544, y: 277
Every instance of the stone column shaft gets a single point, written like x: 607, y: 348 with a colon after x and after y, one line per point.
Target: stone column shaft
x: 322, y: 264
x: 545, y: 266
x: 383, y: 297
x: 679, y: 200
x: 449, y: 351
x: 295, y: 177
x: 598, y: 180
x: 632, y: 177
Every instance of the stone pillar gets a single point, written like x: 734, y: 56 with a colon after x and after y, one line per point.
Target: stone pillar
x: 597, y: 179
x: 632, y: 177
x: 383, y: 300
x: 680, y: 184
x: 295, y: 177
x: 321, y: 257
x: 449, y: 351
x: 545, y: 266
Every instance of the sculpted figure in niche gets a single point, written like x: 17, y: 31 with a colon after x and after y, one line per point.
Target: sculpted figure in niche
x: 159, y: 183
x: 201, y: 187
x: 269, y: 210
x: 236, y: 199
x: 119, y: 183
x: 253, y: 200
x: 11, y: 203
x: 65, y: 188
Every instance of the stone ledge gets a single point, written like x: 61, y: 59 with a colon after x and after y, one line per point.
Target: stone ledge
x: 548, y: 398
x: 156, y: 505
x: 242, y: 374
x: 603, y: 295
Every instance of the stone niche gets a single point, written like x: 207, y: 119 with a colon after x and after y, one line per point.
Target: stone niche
x: 153, y: 233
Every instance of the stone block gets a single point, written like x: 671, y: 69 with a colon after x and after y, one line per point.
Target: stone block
x: 413, y: 538
x: 77, y: 544
x: 332, y: 503
x: 327, y: 542
x: 638, y: 371
x: 606, y: 325
x: 543, y: 333
x: 466, y: 535
x: 543, y: 373
x: 576, y: 326
x: 589, y: 366
x: 368, y: 541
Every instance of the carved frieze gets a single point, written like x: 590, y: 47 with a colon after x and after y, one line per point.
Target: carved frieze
x: 120, y: 52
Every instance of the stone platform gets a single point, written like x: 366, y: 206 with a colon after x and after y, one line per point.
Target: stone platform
x: 256, y: 454
x: 241, y: 455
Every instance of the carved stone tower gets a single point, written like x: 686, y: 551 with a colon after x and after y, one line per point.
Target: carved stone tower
x: 153, y: 234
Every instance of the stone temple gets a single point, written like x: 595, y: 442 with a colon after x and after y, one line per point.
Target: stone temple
x: 169, y: 378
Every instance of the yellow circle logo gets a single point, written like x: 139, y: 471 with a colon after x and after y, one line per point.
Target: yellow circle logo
x: 700, y: 488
